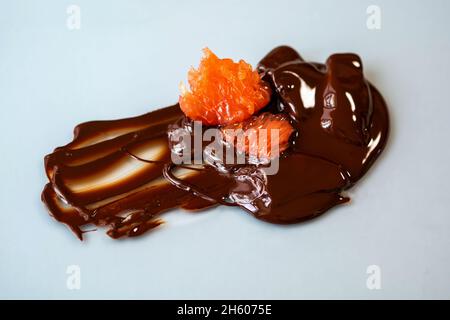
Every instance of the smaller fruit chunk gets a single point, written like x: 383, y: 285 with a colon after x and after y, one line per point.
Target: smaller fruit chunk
x: 223, y: 91
x: 256, y: 135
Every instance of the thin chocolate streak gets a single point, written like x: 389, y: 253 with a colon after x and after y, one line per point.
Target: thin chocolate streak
x: 132, y: 155
x: 119, y: 173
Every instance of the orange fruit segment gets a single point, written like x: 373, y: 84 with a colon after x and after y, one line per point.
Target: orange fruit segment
x: 258, y: 134
x: 223, y: 91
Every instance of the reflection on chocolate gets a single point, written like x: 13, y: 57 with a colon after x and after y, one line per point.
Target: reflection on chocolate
x: 119, y: 173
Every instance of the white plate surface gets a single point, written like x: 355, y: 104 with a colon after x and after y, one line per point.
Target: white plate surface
x: 128, y: 58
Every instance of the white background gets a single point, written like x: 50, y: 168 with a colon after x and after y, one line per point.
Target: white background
x: 128, y: 58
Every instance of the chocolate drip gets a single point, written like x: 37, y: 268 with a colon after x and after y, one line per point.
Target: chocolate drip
x: 119, y: 173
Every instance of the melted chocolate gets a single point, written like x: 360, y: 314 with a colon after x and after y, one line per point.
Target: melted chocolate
x: 119, y: 173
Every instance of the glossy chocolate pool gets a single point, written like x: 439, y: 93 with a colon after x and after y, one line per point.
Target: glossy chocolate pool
x: 119, y: 173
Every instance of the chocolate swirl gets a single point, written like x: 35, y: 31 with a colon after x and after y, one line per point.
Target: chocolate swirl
x: 119, y: 173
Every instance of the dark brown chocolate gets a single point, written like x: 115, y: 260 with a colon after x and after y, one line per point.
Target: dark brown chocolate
x: 119, y: 173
